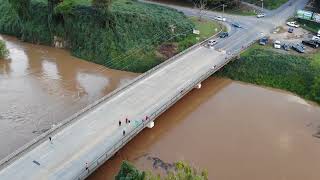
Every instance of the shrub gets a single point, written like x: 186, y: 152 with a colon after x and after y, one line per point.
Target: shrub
x: 3, y: 50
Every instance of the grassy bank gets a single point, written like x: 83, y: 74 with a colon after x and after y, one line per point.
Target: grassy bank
x: 3, y: 50
x: 207, y: 29
x: 269, y: 4
x: 297, y: 74
x: 124, y: 39
x: 309, y: 25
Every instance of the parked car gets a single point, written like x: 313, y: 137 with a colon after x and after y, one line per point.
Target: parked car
x: 211, y: 43
x: 316, y: 38
x: 263, y: 41
x: 298, y: 47
x: 293, y: 24
x: 237, y: 25
x: 290, y: 30
x: 310, y: 43
x: 220, y: 18
x: 286, y: 47
x: 223, y: 34
x: 317, y: 42
x: 277, y: 44
x: 261, y: 15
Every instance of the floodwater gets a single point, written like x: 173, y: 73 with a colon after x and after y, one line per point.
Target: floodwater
x: 41, y: 86
x: 234, y: 130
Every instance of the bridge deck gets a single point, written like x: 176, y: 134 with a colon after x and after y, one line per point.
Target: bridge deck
x: 93, y: 133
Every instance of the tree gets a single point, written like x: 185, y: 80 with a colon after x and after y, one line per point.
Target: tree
x: 21, y: 7
x: 201, y: 6
x: 183, y: 171
x: 129, y: 172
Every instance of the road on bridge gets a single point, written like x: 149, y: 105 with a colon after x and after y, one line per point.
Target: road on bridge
x: 75, y: 147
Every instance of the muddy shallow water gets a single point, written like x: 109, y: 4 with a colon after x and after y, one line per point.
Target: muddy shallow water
x: 41, y: 86
x: 234, y: 130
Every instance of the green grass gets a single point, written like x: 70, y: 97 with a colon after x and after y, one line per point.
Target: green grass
x: 207, y: 28
x: 269, y: 4
x: 241, y: 12
x: 297, y: 74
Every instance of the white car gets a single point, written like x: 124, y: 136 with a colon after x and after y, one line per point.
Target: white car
x: 220, y: 18
x: 277, y: 44
x: 316, y: 38
x: 211, y: 43
x: 293, y: 24
x: 261, y: 15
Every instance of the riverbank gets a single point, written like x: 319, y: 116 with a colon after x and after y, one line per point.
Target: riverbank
x: 262, y: 66
x: 125, y: 39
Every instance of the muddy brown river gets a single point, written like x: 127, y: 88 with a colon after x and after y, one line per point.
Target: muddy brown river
x: 41, y: 86
x: 234, y: 130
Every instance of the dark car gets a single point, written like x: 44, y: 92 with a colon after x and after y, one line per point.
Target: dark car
x: 286, y: 47
x: 298, y: 47
x: 237, y: 25
x: 310, y: 43
x: 290, y: 30
x: 223, y: 34
x: 263, y: 41
x: 316, y: 41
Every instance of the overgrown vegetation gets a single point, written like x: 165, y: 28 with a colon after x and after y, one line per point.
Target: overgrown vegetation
x: 3, y: 50
x: 298, y: 74
x: 124, y: 37
x: 309, y: 25
x: 183, y: 172
x: 269, y: 4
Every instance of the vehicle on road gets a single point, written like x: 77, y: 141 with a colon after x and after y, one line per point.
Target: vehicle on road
x: 293, y: 24
x: 237, y: 25
x: 290, y: 30
x: 220, y: 18
x: 298, y: 47
x: 277, y: 44
x: 211, y: 43
x: 261, y: 15
x: 223, y: 34
x: 263, y: 41
x: 310, y: 43
x: 286, y: 47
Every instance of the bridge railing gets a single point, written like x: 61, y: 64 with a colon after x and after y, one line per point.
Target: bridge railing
x: 7, y: 160
x: 143, y: 123
x: 177, y: 96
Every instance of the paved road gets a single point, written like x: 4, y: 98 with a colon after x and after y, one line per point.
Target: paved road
x: 84, y: 140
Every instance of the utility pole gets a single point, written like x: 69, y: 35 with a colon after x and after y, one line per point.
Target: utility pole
x: 262, y: 4
x: 223, y: 5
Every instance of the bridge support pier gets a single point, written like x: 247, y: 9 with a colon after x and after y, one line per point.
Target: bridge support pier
x: 198, y: 86
x: 150, y: 124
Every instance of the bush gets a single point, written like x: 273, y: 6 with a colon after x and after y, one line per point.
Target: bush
x: 3, y: 50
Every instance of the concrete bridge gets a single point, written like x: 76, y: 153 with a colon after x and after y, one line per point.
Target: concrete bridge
x: 85, y: 141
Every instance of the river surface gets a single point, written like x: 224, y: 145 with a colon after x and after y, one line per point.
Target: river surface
x: 234, y: 130
x: 41, y: 86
